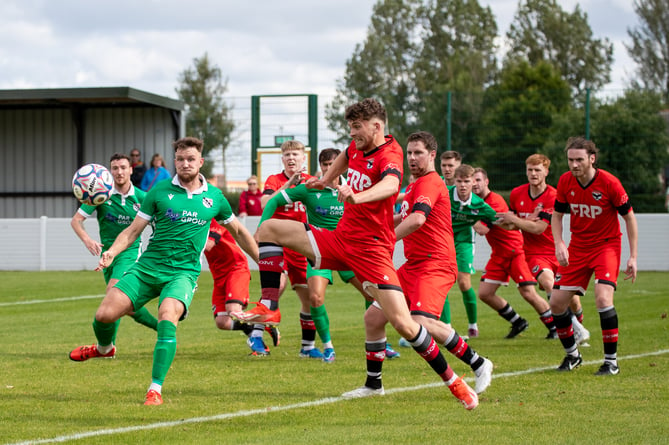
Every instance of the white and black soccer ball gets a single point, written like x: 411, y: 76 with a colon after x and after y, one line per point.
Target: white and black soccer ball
x: 92, y: 184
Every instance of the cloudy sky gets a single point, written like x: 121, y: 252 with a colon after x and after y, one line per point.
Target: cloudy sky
x: 262, y: 47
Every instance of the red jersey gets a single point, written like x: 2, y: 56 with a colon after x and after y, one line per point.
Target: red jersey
x: 429, y: 196
x: 249, y: 203
x: 593, y: 208
x: 502, y: 242
x: 524, y: 205
x: 226, y: 254
x: 295, y: 210
x: 372, y: 222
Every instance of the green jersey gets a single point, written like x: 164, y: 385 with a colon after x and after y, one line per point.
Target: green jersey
x: 323, y: 209
x: 181, y: 221
x: 464, y: 215
x: 115, y: 214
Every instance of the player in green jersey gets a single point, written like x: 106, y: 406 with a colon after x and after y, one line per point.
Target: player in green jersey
x: 467, y: 209
x: 323, y: 210
x: 113, y: 216
x: 169, y: 268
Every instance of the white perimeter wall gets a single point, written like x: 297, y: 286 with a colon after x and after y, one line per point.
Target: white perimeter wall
x: 50, y: 244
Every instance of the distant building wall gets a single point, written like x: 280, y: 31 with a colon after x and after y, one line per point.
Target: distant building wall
x: 50, y: 244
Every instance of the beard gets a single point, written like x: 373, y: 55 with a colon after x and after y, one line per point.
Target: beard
x: 189, y: 176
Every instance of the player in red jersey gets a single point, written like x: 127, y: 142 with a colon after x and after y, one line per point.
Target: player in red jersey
x: 230, y: 269
x: 507, y: 260
x: 531, y: 208
x: 593, y: 198
x: 292, y: 157
x: 430, y: 271
x: 364, y: 241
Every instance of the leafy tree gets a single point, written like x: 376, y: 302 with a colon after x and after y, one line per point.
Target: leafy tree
x: 633, y: 139
x: 518, y: 117
x: 650, y: 45
x: 457, y: 55
x: 381, y: 68
x: 208, y: 117
x: 542, y: 31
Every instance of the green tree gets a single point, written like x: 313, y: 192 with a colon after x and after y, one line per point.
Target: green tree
x: 208, y: 117
x: 542, y: 31
x: 650, y: 45
x: 633, y: 139
x: 457, y: 56
x: 518, y: 116
x: 381, y: 68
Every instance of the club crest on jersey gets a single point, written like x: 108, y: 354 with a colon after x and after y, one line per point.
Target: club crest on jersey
x: 207, y: 202
x: 535, y: 269
x: 370, y: 163
x: 558, y: 277
x: 136, y: 206
x: 597, y: 195
x: 474, y: 211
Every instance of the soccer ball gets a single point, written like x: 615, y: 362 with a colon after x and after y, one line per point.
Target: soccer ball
x: 92, y: 184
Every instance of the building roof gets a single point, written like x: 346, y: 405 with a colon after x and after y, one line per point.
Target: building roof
x: 62, y: 97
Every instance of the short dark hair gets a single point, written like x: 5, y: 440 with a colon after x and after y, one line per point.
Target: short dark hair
x: 426, y: 138
x: 117, y: 156
x: 327, y: 154
x: 482, y: 171
x: 366, y: 110
x: 451, y: 154
x: 188, y: 142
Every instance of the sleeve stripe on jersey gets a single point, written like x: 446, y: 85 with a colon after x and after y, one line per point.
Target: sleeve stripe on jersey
x: 144, y: 216
x: 421, y: 207
x: 215, y: 236
x: 561, y: 207
x: 286, y: 197
x: 625, y: 208
x: 545, y: 216
x: 392, y: 171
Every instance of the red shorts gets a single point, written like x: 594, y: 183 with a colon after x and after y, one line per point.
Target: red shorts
x: 604, y: 261
x: 539, y: 263
x: 426, y: 285
x: 500, y: 268
x: 371, y: 263
x: 296, y: 266
x: 231, y: 287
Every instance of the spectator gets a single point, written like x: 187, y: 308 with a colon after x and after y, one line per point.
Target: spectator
x: 138, y: 167
x: 157, y: 172
x: 249, y: 201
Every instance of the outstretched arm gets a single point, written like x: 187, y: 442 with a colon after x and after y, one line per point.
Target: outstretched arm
x: 243, y: 238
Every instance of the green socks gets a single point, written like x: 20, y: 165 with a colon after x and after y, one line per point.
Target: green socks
x: 469, y: 299
x: 165, y: 350
x: 322, y: 322
x: 143, y: 316
x: 105, y: 332
x: 446, y: 312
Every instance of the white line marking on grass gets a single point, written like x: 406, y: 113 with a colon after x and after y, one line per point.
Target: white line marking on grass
x: 55, y: 300
x: 326, y: 401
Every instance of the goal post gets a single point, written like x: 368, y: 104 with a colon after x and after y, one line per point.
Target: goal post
x: 276, y: 118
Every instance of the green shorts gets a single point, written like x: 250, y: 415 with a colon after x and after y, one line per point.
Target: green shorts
x: 142, y: 287
x: 464, y: 255
x: 120, y: 265
x: 345, y: 275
